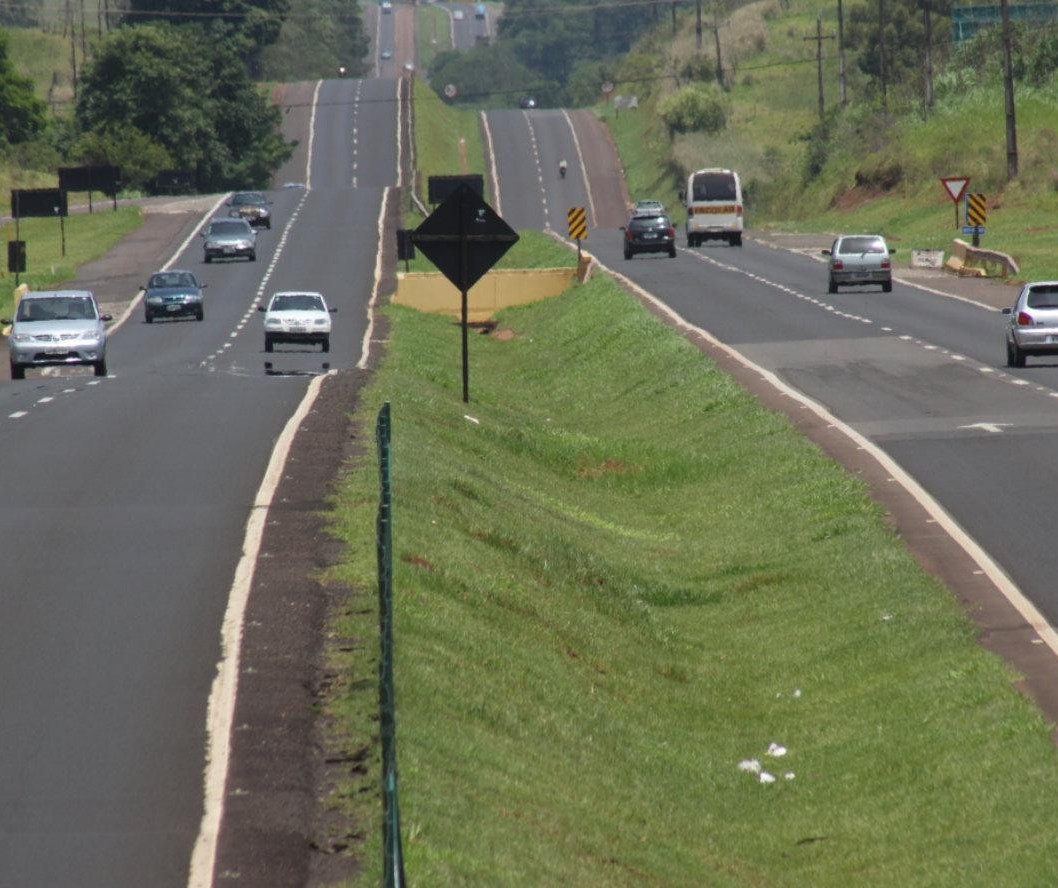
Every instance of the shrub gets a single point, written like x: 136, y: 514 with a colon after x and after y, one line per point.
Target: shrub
x: 693, y: 109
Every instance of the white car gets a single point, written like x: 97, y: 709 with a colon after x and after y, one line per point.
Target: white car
x: 298, y: 316
x: 458, y: 15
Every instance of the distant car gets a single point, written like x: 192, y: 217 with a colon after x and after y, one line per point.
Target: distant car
x: 1032, y: 324
x: 387, y: 53
x: 858, y: 260
x: 458, y: 15
x: 648, y: 208
x: 252, y: 206
x: 479, y: 11
x: 387, y: 7
x: 298, y: 316
x: 649, y: 233
x: 229, y: 239
x: 409, y: 67
x: 173, y: 294
x: 527, y: 102
x: 57, y: 327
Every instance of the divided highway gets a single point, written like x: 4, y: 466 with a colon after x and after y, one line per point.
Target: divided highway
x: 123, y: 515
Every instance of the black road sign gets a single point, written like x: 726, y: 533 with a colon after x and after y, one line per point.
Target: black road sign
x: 26, y: 202
x: 464, y: 238
x: 16, y: 256
x: 90, y: 178
x: 405, y: 247
x: 174, y: 182
x: 439, y: 187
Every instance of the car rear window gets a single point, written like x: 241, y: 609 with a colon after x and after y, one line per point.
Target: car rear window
x: 647, y: 223
x: 1045, y: 296
x: 233, y: 227
x: 714, y: 186
x: 857, y: 246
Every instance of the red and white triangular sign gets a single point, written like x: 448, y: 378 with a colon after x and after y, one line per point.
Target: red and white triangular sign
x: 955, y: 186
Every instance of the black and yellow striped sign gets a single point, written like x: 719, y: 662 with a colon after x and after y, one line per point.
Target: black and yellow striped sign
x: 577, y: 219
x: 976, y: 209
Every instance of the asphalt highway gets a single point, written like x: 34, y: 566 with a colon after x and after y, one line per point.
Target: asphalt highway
x: 123, y: 516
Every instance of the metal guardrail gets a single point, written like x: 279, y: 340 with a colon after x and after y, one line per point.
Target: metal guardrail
x: 392, y: 853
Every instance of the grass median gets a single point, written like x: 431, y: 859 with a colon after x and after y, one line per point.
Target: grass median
x: 617, y: 578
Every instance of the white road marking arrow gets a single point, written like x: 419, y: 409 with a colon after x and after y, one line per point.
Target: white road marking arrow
x: 994, y: 427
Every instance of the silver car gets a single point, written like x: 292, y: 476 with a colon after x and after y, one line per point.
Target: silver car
x: 58, y: 327
x: 859, y: 260
x: 1032, y: 327
x: 229, y: 239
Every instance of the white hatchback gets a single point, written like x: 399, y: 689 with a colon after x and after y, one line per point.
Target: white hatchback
x: 297, y: 316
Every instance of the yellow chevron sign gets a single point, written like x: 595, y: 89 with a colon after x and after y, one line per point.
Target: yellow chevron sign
x: 577, y: 219
x: 976, y: 209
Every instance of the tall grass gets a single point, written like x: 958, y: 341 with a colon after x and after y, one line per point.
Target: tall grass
x: 617, y: 577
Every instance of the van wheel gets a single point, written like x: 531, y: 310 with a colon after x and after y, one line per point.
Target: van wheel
x: 1015, y: 356
x: 100, y: 368
x: 17, y: 371
x: 887, y: 287
x: 735, y: 240
x: 832, y: 286
x: 672, y: 252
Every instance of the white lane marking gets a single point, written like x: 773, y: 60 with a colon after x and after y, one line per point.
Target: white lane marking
x: 995, y: 428
x: 312, y: 135
x: 490, y: 156
x: 18, y: 414
x: 539, y: 171
x: 973, y: 549
x: 583, y: 168
x: 365, y: 347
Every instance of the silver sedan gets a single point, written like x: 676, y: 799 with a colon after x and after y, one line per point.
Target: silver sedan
x: 58, y: 327
x: 1032, y: 324
x: 859, y: 260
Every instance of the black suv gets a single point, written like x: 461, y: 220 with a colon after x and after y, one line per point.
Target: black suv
x: 649, y: 233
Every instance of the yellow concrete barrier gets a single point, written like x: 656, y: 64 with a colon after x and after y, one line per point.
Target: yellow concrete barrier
x: 973, y: 261
x: 499, y: 289
x: 20, y: 291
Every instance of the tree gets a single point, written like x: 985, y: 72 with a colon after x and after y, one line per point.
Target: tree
x: 21, y: 112
x: 312, y: 44
x: 138, y: 155
x: 190, y: 96
x: 487, y: 73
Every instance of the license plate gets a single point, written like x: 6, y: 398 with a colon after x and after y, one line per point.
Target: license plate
x: 650, y: 235
x: 173, y: 307
x: 229, y: 249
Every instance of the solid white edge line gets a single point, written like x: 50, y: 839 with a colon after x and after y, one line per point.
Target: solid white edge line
x: 312, y: 136
x: 491, y: 156
x: 967, y: 543
x: 138, y: 298
x: 365, y: 348
x: 583, y: 168
x: 400, y: 130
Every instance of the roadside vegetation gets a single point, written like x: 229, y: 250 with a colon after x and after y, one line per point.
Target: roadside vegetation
x: 609, y: 608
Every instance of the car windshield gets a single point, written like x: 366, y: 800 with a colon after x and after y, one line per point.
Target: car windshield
x: 229, y: 228
x: 297, y: 302
x: 67, y: 308
x: 713, y: 186
x: 1045, y: 296
x: 248, y: 198
x: 172, y: 279
x: 857, y: 246
x: 642, y: 223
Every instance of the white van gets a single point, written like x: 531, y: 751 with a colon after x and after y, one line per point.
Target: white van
x: 714, y: 207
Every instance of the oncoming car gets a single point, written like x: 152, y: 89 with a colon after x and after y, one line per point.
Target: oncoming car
x: 251, y: 206
x: 229, y: 239
x: 858, y: 260
x: 298, y: 316
x: 57, y: 327
x: 172, y: 294
x: 1032, y: 324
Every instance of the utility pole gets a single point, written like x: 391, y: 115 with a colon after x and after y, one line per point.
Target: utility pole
x: 841, y: 56
x: 928, y: 22
x: 819, y: 38
x: 1008, y: 96
x: 715, y: 28
x: 673, y: 18
x: 698, y: 24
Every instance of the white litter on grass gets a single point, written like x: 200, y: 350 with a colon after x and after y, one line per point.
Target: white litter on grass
x: 765, y: 777
x: 886, y: 617
x: 472, y: 419
x: 750, y: 765
x: 789, y: 775
x: 776, y: 750
x: 797, y: 693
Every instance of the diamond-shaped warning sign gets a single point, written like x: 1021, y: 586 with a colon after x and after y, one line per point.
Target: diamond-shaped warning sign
x: 464, y: 237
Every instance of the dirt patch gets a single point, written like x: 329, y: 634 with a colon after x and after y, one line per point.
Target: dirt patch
x: 855, y: 197
x: 606, y: 467
x: 504, y: 334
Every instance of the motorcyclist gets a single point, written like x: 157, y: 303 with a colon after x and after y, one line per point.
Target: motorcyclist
x: 562, y: 168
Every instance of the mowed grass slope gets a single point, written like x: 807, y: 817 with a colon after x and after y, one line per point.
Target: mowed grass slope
x: 617, y: 577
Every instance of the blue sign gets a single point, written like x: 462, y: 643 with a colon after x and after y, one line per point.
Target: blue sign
x: 973, y: 229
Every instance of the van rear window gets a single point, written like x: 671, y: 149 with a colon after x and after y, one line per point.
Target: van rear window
x: 714, y: 186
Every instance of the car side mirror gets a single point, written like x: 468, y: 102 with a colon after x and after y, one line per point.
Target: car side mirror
x: 892, y: 251
x: 1006, y: 311
x: 203, y: 286
x: 681, y: 194
x: 262, y: 308
x: 622, y: 228
x: 106, y: 318
x: 825, y: 252
x: 332, y: 310
x: 7, y: 321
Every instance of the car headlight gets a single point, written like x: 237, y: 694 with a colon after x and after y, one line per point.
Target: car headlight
x: 211, y: 245
x: 321, y: 322
x: 154, y: 300
x: 273, y: 322
x: 22, y: 337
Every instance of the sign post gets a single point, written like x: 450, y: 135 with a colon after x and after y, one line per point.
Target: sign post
x: 956, y: 187
x: 464, y: 238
